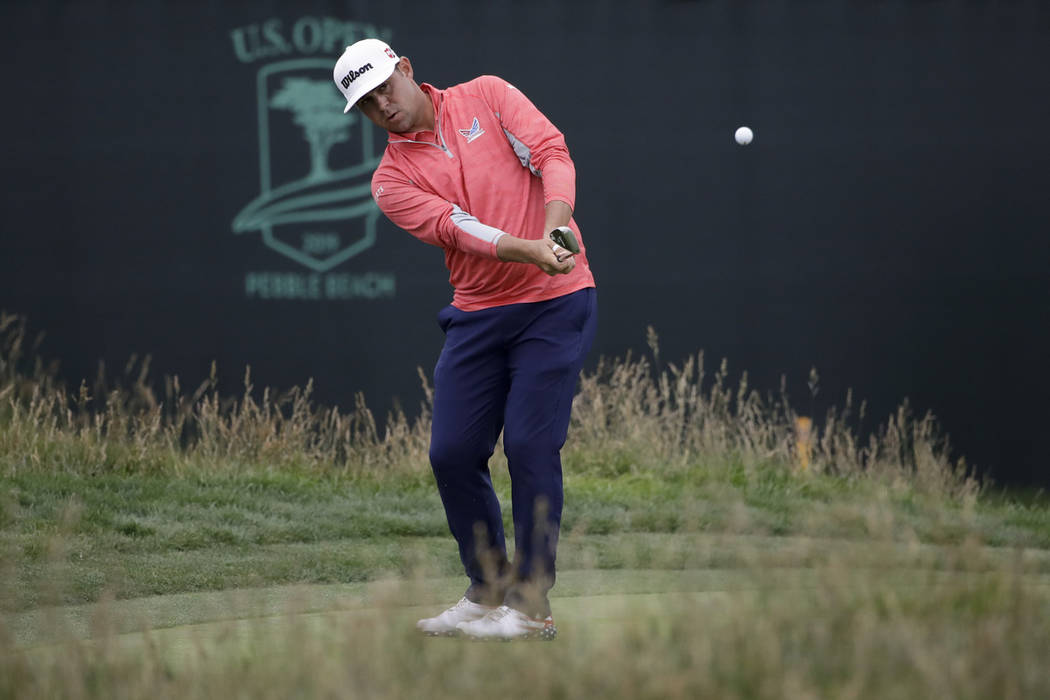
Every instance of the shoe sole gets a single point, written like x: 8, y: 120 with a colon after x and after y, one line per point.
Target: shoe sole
x: 547, y: 634
x: 451, y: 633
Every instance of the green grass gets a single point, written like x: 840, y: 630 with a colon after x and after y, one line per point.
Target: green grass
x: 148, y: 534
x: 830, y: 630
x: 263, y: 546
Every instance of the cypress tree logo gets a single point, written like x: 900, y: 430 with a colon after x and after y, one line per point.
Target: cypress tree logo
x: 314, y: 206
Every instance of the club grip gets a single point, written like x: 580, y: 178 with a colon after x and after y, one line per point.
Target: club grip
x: 564, y: 237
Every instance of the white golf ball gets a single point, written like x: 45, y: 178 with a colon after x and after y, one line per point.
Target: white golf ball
x: 743, y: 136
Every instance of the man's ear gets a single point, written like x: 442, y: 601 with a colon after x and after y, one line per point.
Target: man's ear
x: 405, y: 66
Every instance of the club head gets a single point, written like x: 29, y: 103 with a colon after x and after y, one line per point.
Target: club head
x: 564, y: 237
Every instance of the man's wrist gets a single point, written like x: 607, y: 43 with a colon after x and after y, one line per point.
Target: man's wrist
x: 510, y: 248
x: 557, y: 213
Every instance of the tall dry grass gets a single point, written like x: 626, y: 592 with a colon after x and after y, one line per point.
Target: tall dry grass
x: 126, y: 425
x: 630, y: 413
x: 678, y: 415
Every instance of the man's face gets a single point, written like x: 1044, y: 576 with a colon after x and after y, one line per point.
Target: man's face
x: 395, y: 104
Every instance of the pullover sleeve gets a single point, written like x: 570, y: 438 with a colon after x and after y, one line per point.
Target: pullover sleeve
x: 430, y: 218
x: 536, y: 141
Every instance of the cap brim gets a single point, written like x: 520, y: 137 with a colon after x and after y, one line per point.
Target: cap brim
x: 371, y: 83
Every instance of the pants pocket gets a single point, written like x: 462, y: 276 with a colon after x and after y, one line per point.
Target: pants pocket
x: 445, y: 316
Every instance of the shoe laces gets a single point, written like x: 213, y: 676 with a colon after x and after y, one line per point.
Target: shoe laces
x: 500, y: 612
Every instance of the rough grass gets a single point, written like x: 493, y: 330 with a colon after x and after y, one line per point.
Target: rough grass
x: 123, y: 490
x: 632, y: 415
x: 838, y: 631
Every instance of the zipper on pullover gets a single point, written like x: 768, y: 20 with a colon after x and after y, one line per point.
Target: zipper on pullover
x: 440, y: 137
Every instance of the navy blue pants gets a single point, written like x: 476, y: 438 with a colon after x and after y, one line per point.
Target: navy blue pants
x: 512, y: 368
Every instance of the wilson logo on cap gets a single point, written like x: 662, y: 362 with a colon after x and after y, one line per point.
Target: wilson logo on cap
x: 355, y: 74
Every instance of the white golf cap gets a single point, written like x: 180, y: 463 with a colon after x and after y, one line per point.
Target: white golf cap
x: 361, y: 68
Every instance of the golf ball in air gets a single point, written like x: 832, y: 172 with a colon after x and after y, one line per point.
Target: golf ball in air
x: 743, y: 136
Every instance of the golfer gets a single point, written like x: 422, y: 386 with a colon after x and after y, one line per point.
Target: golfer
x: 479, y: 171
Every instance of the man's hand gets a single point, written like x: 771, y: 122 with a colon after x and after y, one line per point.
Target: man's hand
x: 563, y: 261
x: 543, y: 253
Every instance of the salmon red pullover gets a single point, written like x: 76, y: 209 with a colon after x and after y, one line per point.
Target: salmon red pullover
x: 490, y: 167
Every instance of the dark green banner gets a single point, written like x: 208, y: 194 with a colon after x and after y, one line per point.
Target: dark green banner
x: 179, y: 179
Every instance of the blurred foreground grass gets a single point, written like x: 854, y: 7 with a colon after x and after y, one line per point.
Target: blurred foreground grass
x: 831, y: 630
x: 850, y: 565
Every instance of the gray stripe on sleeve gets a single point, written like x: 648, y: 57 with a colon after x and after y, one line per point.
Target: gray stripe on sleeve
x: 522, y: 152
x: 472, y: 227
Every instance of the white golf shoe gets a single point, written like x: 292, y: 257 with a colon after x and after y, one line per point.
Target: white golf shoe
x: 505, y: 623
x: 446, y: 622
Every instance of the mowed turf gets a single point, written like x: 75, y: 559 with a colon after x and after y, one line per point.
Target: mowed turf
x: 580, y: 598
x: 69, y: 538
x: 420, y: 597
